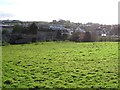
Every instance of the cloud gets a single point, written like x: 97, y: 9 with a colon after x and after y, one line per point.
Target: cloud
x: 5, y: 15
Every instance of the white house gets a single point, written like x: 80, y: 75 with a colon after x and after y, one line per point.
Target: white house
x: 78, y: 29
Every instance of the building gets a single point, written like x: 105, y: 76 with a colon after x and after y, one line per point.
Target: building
x: 49, y: 33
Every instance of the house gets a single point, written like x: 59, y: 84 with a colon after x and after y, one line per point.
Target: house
x: 45, y: 34
x: 78, y: 29
x: 48, y: 33
x: 78, y: 34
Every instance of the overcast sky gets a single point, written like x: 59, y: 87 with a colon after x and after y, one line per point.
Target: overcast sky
x: 83, y: 11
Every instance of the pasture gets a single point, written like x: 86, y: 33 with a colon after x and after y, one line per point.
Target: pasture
x: 60, y: 65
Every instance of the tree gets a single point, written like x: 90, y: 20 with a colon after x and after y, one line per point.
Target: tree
x: 25, y: 30
x: 87, y: 37
x: 33, y: 28
x: 17, y: 29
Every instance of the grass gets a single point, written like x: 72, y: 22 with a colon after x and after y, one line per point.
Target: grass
x: 60, y: 65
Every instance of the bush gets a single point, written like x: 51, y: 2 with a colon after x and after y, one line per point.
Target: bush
x: 5, y: 43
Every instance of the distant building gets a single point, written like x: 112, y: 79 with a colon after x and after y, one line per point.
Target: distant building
x: 78, y: 29
x: 46, y: 33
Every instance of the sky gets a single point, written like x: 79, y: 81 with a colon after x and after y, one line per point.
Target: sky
x: 82, y: 11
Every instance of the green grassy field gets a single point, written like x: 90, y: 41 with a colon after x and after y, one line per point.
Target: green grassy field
x: 60, y: 65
